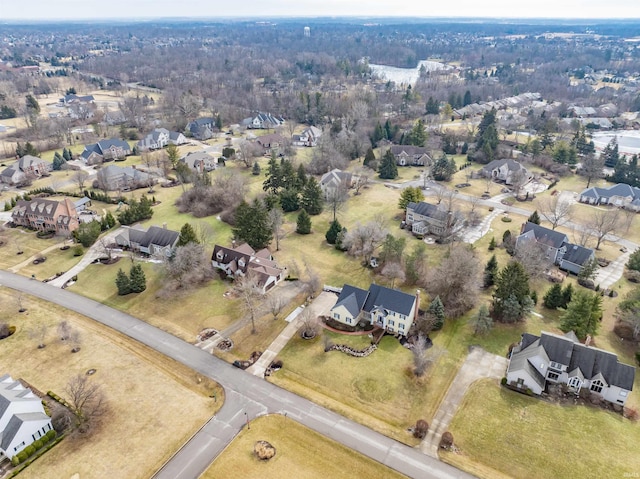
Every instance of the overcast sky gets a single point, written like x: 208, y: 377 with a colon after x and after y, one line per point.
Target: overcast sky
x: 123, y: 9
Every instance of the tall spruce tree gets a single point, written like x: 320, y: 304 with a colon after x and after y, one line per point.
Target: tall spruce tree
x: 512, y: 297
x: 122, y: 283
x: 553, y: 297
x: 534, y: 218
x: 388, y: 169
x: 137, y: 279
x: 490, y: 272
x: 312, y: 199
x: 332, y: 233
x: 436, y: 308
x: 252, y: 224
x: 369, y: 158
x: 303, y: 224
x: 187, y: 235
x: 583, y: 314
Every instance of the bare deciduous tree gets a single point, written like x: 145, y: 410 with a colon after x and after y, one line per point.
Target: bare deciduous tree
x: 250, y: 294
x: 393, y: 271
x: 309, y: 324
x: 424, y: 358
x: 533, y: 258
x: 276, y: 305
x: 591, y: 168
x: 39, y: 334
x: 75, y: 340
x: 80, y: 178
x: 64, y: 330
x: 361, y: 179
x: 555, y: 210
x: 87, y: 402
x: 362, y: 240
x: 603, y: 222
x: 336, y: 198
x: 455, y: 280
x: 189, y: 267
x: 276, y: 218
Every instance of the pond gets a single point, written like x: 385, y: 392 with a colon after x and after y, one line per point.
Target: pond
x: 406, y: 75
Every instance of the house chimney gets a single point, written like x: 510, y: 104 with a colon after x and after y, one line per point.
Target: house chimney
x: 164, y: 226
x: 587, y: 341
x: 417, y: 311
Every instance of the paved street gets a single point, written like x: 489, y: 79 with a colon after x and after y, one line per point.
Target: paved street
x: 247, y: 392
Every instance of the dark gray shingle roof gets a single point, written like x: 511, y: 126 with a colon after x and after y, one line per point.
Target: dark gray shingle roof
x: 545, y: 235
x: 390, y: 299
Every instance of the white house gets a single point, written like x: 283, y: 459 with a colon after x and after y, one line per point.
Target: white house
x: 553, y: 359
x: 159, y: 138
x: 308, y: 137
x: 27, y: 167
x: 386, y: 308
x: 199, y: 161
x: 22, y: 417
x: 334, y: 180
x: 620, y: 194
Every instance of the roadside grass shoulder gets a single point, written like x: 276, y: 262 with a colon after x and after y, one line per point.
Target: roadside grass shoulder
x: 302, y: 453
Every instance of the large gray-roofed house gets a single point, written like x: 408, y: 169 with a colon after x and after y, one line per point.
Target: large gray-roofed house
x: 505, y: 170
x: 199, y: 161
x: 113, y: 178
x: 27, y: 167
x: 409, y: 155
x: 556, y: 247
x: 202, y: 128
x: 619, y: 194
x: 429, y: 219
x: 563, y: 359
x: 387, y: 308
x: 159, y: 138
x: 110, y: 149
x: 155, y: 241
x: 241, y: 261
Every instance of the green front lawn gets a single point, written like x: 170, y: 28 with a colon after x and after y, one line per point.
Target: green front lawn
x: 524, y: 437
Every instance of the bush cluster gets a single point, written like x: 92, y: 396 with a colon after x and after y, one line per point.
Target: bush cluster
x: 31, y: 449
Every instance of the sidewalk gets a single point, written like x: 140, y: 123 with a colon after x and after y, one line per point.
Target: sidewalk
x: 26, y: 262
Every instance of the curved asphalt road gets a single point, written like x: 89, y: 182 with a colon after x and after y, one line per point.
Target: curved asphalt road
x: 244, y: 393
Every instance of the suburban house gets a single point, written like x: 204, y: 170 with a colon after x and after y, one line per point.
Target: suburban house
x: 387, y: 308
x: 620, y: 194
x: 556, y: 247
x: 334, y: 180
x: 199, y: 161
x: 155, y: 241
x: 114, y: 178
x: 505, y: 170
x: 308, y: 137
x: 82, y: 203
x: 427, y: 219
x: 105, y: 150
x: 263, y: 121
x: 159, y: 138
x: 272, y: 143
x: 46, y: 215
x: 202, y: 128
x: 22, y: 417
x: 73, y: 98
x: 27, y: 167
x: 243, y: 260
x: 408, y: 155
x: 538, y: 361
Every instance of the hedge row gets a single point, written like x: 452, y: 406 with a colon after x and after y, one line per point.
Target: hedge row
x: 51, y: 441
x: 58, y: 399
x: 31, y: 449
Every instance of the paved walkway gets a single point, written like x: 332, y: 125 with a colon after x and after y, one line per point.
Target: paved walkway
x: 474, y: 233
x: 609, y: 275
x: 29, y: 260
x: 320, y: 306
x: 478, y: 364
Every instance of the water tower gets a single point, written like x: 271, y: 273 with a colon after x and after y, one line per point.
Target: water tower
x: 307, y: 31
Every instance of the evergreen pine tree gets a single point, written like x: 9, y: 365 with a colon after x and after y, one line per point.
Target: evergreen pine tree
x: 512, y: 285
x: 490, y: 272
x: 436, y: 308
x: 369, y: 158
x: 187, y: 235
x: 122, y: 283
x: 58, y: 161
x: 388, y: 169
x: 301, y: 177
x: 583, y: 314
x: 634, y: 261
x: 312, y: 199
x: 290, y: 200
x: 482, y: 322
x: 256, y: 169
x: 137, y: 279
x: 567, y: 294
x: 303, y: 225
x: 66, y: 154
x: 492, y: 243
x: 252, y: 224
x: 534, y: 218
x: 553, y: 298
x: 333, y: 232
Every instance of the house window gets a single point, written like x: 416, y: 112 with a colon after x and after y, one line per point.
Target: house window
x: 596, y: 386
x: 391, y: 323
x: 553, y: 376
x: 520, y: 383
x: 348, y: 320
x: 220, y: 255
x: 336, y: 316
x: 557, y: 366
x: 401, y: 325
x: 575, y: 383
x: 623, y: 393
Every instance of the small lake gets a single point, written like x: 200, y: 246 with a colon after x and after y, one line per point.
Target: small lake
x: 628, y: 140
x: 406, y: 75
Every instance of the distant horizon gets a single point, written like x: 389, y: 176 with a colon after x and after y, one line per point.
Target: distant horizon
x: 48, y: 11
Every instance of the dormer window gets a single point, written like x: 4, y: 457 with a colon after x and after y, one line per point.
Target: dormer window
x: 241, y: 263
x: 220, y: 255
